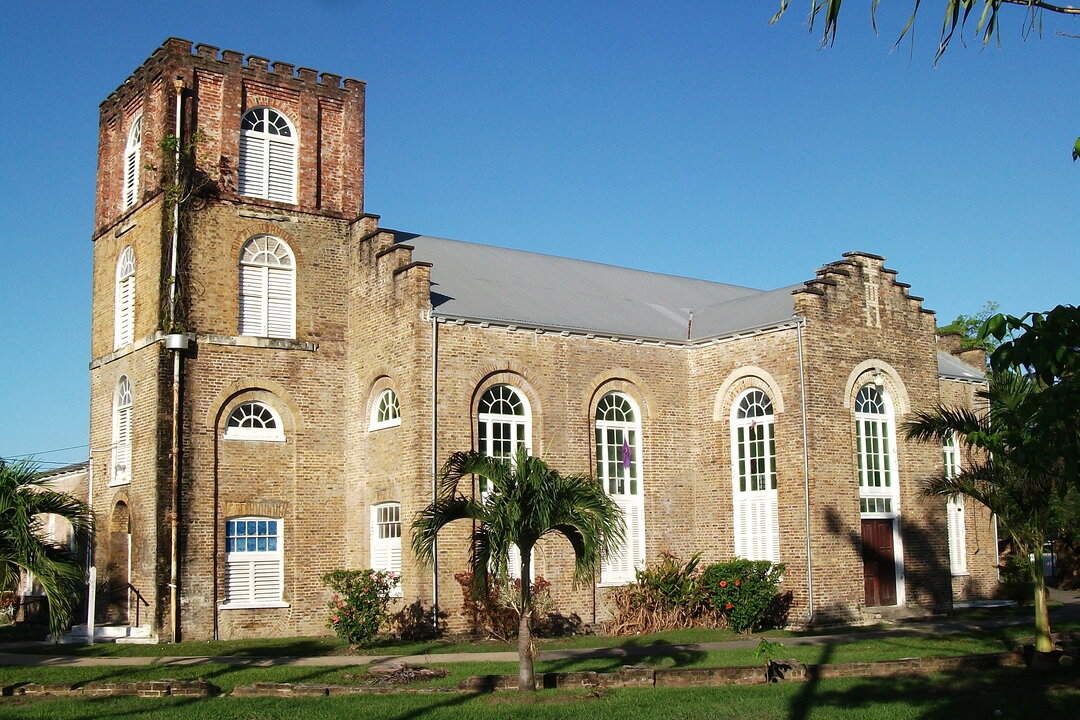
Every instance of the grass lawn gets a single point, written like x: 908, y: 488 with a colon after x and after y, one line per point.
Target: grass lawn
x: 1007, y: 694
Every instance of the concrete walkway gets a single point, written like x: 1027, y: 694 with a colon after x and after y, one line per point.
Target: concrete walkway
x: 626, y: 649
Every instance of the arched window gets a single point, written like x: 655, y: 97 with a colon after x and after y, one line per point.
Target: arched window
x: 878, y: 492
x: 757, y: 532
x: 267, y: 156
x: 254, y: 562
x: 121, y: 444
x: 131, y: 163
x: 124, y: 317
x: 504, y: 424
x: 385, y: 411
x: 254, y: 421
x: 386, y: 541
x: 267, y: 288
x: 954, y: 510
x: 618, y: 468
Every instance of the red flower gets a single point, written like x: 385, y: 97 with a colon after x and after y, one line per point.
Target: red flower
x: 737, y: 583
x: 728, y: 606
x: 723, y: 583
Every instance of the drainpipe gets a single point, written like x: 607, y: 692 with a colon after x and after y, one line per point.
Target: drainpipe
x: 806, y: 478
x: 174, y: 521
x: 91, y: 576
x: 434, y: 464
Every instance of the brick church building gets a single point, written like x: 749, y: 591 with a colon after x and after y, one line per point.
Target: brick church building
x: 276, y: 379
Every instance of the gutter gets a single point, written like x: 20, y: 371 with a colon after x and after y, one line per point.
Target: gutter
x: 806, y: 477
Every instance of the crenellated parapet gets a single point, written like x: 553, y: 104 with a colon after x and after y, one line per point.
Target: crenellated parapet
x: 323, y: 126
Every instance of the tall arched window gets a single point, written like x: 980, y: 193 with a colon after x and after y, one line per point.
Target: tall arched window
x: 618, y: 468
x: 131, y: 163
x: 267, y: 156
x: 121, y: 440
x: 504, y: 423
x: 875, y: 448
x: 757, y: 532
x: 879, y: 497
x: 954, y: 510
x: 267, y: 288
x: 124, y: 317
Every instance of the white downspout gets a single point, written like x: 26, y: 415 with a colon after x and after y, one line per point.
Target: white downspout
x: 806, y: 478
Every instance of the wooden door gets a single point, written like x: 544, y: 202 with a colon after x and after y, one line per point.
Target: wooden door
x: 879, y: 565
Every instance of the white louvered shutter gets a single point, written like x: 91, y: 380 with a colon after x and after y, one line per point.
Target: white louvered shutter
x: 131, y: 178
x: 238, y: 582
x: 956, y: 527
x: 622, y: 564
x: 253, y: 300
x: 122, y: 450
x: 125, y: 311
x: 280, y: 303
x: 266, y: 581
x: 281, y: 171
x: 253, y: 165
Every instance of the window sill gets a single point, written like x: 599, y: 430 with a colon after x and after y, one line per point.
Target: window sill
x: 252, y: 437
x: 961, y: 573
x: 385, y: 425
x: 119, y: 483
x: 252, y: 606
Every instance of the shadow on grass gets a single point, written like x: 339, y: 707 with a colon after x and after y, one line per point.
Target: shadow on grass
x: 631, y: 651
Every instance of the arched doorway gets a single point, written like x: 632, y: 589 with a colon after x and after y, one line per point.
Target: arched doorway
x: 115, y: 595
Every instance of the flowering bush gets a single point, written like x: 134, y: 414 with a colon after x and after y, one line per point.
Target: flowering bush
x: 358, y: 603
x: 743, y: 591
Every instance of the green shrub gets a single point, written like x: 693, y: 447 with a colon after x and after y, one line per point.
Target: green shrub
x: 742, y: 591
x: 358, y: 604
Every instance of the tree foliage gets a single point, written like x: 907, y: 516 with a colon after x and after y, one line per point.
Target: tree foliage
x: 958, y: 15
x: 26, y: 500
x: 1011, y: 469
x: 970, y: 326
x: 526, y: 501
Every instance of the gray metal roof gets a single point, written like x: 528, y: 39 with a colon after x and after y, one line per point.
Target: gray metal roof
x: 487, y: 283
x: 952, y: 367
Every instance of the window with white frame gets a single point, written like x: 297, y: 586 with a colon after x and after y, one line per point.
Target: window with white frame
x: 875, y: 443
x: 121, y: 444
x: 618, y: 468
x: 954, y: 509
x: 254, y: 421
x: 131, y: 163
x: 267, y: 288
x: 254, y: 562
x: 504, y: 424
x: 267, y: 156
x: 124, y: 317
x: 386, y: 541
x: 385, y: 411
x: 757, y: 531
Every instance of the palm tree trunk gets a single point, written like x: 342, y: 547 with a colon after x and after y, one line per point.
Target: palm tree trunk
x: 1043, y: 641
x: 526, y: 672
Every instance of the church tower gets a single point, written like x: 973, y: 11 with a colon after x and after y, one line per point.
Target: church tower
x: 228, y: 189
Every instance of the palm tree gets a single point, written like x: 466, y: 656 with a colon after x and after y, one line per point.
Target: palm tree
x: 25, y: 501
x: 1013, y: 470
x: 525, y: 500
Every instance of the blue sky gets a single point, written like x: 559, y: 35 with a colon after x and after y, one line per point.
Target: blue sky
x: 690, y: 138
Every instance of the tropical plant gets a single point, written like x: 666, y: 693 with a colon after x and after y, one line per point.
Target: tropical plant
x: 1012, y: 469
x: 957, y: 13
x: 667, y: 595
x: 526, y: 501
x: 26, y: 500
